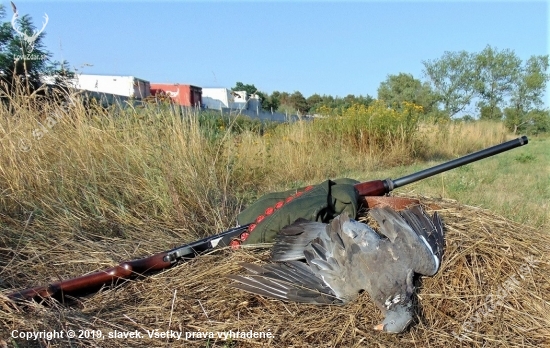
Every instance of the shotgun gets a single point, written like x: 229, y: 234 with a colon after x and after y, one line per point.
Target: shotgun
x: 131, y: 269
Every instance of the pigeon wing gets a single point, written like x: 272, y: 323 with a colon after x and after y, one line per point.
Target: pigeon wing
x: 293, y: 239
x: 416, y: 234
x: 291, y: 281
x: 430, y: 232
x: 329, y: 276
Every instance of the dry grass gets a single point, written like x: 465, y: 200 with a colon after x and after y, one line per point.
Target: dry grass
x: 132, y: 165
x: 126, y: 168
x: 296, y: 154
x: 94, y: 190
x: 493, y: 282
x: 449, y: 139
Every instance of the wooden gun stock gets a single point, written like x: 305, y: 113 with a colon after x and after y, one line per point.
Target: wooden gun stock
x: 94, y: 281
x: 126, y: 270
x: 131, y: 269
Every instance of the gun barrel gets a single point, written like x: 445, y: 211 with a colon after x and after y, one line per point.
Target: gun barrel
x: 476, y: 156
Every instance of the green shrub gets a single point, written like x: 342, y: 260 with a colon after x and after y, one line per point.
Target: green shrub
x: 364, y: 127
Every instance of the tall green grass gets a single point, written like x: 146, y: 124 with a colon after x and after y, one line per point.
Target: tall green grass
x: 514, y: 184
x: 374, y: 129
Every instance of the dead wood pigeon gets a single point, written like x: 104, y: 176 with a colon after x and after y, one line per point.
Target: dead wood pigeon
x: 346, y: 257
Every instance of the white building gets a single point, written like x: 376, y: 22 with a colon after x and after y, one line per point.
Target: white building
x: 223, y: 98
x: 125, y: 86
x: 240, y: 99
x: 107, y: 89
x: 255, y: 103
x: 217, y: 98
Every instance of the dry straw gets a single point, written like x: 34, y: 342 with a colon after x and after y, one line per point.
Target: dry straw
x: 492, y: 291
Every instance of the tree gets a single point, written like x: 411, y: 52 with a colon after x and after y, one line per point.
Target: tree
x: 490, y: 112
x: 274, y: 100
x: 266, y: 105
x: 284, y: 105
x: 465, y: 118
x: 250, y: 89
x: 313, y: 100
x: 336, y: 104
x: 532, y: 82
x: 284, y: 98
x: 366, y: 101
x: 535, y: 121
x: 526, y: 94
x: 526, y: 97
x: 298, y: 102
x: 498, y: 73
x: 405, y: 88
x: 453, y: 78
x: 540, y: 121
x: 21, y: 60
x: 24, y: 59
x: 270, y: 103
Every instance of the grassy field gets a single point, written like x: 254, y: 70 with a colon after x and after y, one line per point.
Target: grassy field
x: 82, y: 168
x: 514, y: 184
x: 83, y: 189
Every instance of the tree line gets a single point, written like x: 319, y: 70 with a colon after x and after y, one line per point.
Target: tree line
x: 296, y: 103
x: 493, y: 84
x: 496, y: 83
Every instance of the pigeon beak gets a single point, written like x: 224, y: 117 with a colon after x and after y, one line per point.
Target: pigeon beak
x: 379, y: 327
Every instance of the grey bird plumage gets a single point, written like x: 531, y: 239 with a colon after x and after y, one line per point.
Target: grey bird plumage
x: 346, y: 257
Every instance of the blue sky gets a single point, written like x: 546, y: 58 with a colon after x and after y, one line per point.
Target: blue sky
x: 335, y: 48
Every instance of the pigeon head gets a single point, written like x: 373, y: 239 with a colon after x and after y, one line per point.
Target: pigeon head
x: 397, y: 319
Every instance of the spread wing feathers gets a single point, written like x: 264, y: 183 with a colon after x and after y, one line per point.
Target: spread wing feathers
x: 292, y: 240
x: 291, y: 281
x: 430, y: 229
x: 420, y: 235
x: 342, y: 257
x: 325, y: 278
